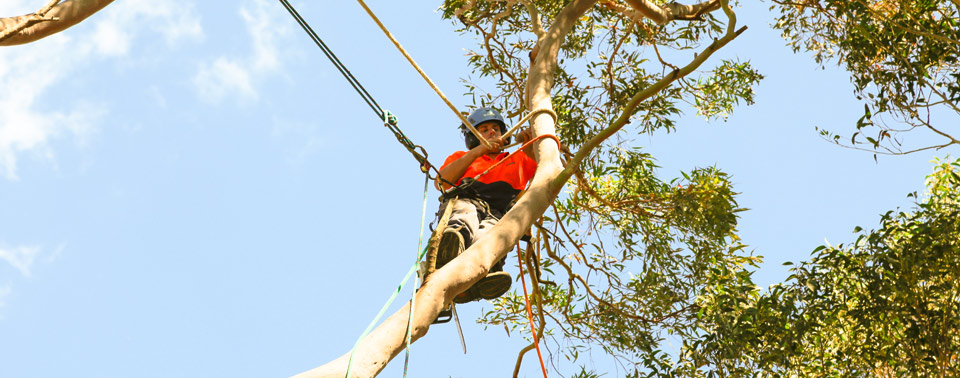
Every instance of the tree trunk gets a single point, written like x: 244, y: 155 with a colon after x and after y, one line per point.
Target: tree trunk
x: 48, y: 21
x: 387, y: 340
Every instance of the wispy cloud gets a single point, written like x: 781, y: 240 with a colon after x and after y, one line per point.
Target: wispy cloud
x: 237, y: 76
x: 123, y: 21
x: 21, y: 258
x: 224, y: 77
x: 28, y: 73
x: 25, y: 76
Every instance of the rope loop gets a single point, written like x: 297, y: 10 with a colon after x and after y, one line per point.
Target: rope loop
x: 528, y: 117
x: 549, y: 111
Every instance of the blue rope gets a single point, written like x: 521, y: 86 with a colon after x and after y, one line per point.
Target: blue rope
x: 416, y: 281
x: 393, y: 296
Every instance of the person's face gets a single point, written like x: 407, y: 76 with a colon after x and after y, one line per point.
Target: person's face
x: 490, y: 130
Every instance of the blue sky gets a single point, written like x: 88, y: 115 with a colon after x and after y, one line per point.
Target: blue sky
x: 190, y: 189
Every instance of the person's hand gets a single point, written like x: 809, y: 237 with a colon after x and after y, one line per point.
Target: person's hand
x: 525, y: 135
x: 496, y: 145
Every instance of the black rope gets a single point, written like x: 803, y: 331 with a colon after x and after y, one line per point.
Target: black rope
x: 336, y: 62
x: 389, y: 120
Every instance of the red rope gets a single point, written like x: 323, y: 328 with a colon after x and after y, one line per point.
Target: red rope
x: 526, y: 297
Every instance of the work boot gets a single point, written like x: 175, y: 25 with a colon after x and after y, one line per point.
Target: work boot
x: 492, y: 286
x: 451, y: 246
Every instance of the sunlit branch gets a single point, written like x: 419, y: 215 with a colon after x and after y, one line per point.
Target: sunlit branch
x: 655, y: 88
x: 492, y: 58
x: 535, y: 23
x: 524, y: 350
x: 613, y: 55
x: 925, y: 83
x: 586, y: 285
x: 673, y: 11
x: 54, y: 17
x: 26, y: 21
x: 631, y: 14
x: 883, y: 17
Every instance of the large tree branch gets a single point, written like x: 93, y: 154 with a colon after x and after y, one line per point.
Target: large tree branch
x: 884, y: 18
x: 652, y: 90
x: 387, y: 340
x: 535, y: 23
x: 51, y: 19
x: 673, y: 11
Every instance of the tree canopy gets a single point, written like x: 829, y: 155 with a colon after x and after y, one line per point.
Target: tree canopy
x: 628, y: 257
x: 624, y: 261
x: 902, y: 58
x: 883, y: 305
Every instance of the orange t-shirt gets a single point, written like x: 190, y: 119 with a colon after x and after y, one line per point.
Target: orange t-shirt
x: 502, y: 184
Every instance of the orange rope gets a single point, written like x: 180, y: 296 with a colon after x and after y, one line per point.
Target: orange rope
x: 529, y: 142
x: 526, y: 297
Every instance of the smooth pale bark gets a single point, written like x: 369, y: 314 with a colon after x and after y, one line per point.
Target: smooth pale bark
x: 662, y: 14
x: 67, y: 14
x: 387, y: 340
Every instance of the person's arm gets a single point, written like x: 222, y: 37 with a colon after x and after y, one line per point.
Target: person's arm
x: 454, y: 171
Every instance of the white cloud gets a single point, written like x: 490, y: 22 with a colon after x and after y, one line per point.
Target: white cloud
x: 238, y: 75
x: 29, y: 123
x: 27, y: 73
x: 221, y: 78
x: 264, y: 30
x: 123, y: 21
x: 21, y: 258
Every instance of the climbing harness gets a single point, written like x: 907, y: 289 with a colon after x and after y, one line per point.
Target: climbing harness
x: 420, y: 154
x: 465, y: 183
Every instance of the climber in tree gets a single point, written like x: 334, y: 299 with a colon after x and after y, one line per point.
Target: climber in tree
x: 481, y: 201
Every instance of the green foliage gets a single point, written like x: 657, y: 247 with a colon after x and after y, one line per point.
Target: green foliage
x: 886, y: 305
x: 627, y: 263
x: 731, y: 82
x: 629, y: 259
x: 902, y: 57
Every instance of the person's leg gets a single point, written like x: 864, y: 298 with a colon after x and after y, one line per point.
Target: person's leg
x: 462, y: 226
x: 484, y: 224
x: 495, y: 283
